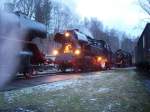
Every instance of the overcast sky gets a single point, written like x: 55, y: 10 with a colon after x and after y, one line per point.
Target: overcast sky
x: 124, y: 15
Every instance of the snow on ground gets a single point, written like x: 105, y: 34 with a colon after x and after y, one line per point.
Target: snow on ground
x: 10, y: 95
x: 110, y: 91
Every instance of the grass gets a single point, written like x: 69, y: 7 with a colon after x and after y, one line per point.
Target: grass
x: 117, y: 91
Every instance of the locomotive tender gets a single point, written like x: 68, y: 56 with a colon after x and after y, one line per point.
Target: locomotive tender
x: 142, y: 50
x: 25, y: 31
x: 80, y: 52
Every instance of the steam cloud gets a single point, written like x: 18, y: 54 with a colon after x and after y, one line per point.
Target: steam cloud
x: 9, y: 46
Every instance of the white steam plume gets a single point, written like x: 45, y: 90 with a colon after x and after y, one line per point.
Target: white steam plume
x: 9, y: 47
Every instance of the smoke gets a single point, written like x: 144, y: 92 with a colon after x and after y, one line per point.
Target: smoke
x: 9, y: 46
x: 85, y: 30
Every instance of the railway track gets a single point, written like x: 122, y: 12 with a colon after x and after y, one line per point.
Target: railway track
x: 21, y: 82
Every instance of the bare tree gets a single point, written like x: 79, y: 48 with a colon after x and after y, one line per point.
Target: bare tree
x: 96, y: 28
x: 62, y: 17
x: 127, y: 44
x: 43, y: 11
x: 40, y: 10
x: 25, y: 6
x: 113, y: 39
x: 145, y: 4
x: 58, y: 16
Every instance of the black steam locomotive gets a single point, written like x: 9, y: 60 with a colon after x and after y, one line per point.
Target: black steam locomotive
x: 80, y: 52
x: 122, y: 58
x: 142, y: 50
x: 26, y: 30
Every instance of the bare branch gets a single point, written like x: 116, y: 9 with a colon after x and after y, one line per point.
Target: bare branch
x: 145, y: 5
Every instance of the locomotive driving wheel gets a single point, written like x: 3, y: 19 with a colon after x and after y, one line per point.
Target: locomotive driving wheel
x: 62, y: 68
x: 29, y: 74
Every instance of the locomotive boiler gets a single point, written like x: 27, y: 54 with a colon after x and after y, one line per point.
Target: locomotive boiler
x: 80, y: 52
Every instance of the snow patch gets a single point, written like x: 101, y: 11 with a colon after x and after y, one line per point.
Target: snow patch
x: 110, y: 106
x: 93, y: 99
x: 57, y: 85
x: 23, y: 110
x: 50, y: 103
x: 104, y: 90
x: 8, y: 97
x: 11, y: 95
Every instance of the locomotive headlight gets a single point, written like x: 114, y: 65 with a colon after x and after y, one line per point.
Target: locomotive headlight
x: 77, y: 52
x: 67, y: 34
x: 55, y: 52
x: 99, y: 59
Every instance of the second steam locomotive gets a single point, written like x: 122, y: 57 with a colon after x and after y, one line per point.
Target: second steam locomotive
x: 122, y: 58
